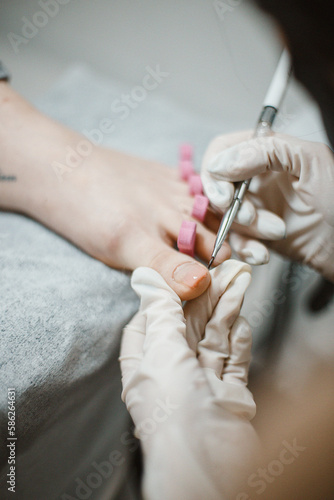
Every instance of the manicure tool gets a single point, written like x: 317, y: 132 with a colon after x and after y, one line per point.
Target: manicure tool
x: 269, y: 112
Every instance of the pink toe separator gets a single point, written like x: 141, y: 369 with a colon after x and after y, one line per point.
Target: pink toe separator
x: 186, y: 169
x: 187, y: 237
x: 200, y: 207
x: 195, y: 184
x: 186, y: 152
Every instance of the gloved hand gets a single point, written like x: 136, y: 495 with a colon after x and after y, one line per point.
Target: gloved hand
x: 184, y: 377
x: 294, y: 183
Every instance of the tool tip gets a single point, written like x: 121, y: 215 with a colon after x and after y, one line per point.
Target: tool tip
x: 211, y: 262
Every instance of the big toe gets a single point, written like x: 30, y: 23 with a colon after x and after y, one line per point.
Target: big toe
x: 187, y: 277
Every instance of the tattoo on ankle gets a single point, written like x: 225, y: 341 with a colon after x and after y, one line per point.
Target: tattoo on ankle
x: 7, y: 178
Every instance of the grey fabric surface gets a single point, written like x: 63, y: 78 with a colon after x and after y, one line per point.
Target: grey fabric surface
x: 62, y: 314
x: 153, y: 128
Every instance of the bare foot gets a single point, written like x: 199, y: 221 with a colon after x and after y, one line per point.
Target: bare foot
x: 122, y: 210
x: 127, y: 212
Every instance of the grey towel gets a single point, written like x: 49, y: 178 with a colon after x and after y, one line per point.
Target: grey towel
x: 62, y: 314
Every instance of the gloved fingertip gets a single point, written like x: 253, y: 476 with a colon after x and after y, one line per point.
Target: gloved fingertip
x: 220, y: 194
x: 229, y: 270
x: 246, y: 214
x: 244, y: 279
x: 218, y: 162
x: 255, y: 256
x: 271, y: 226
x: 225, y: 164
x: 145, y: 276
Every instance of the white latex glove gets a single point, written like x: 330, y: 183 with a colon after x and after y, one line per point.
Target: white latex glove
x: 294, y: 183
x: 184, y: 379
